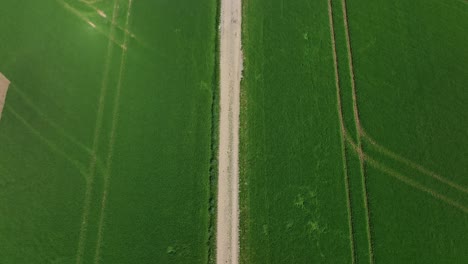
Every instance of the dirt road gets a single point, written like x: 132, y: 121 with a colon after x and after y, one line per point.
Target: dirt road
x: 227, y: 240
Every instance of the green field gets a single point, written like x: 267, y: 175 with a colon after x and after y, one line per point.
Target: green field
x: 353, y: 133
x: 305, y: 187
x: 411, y: 75
x: 106, y: 136
x: 294, y: 203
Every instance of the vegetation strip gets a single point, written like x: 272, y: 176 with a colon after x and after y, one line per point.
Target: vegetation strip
x: 227, y: 241
x: 211, y: 240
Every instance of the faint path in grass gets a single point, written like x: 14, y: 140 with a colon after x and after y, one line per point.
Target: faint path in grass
x: 115, y: 119
x: 97, y: 133
x: 227, y: 242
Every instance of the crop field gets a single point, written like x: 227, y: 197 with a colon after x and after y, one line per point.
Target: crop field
x: 354, y: 132
x: 106, y: 135
x: 293, y: 203
x: 233, y: 131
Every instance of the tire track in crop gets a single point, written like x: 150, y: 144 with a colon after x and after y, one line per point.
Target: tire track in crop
x: 357, y: 147
x: 360, y: 233
x: 115, y: 119
x: 405, y: 179
x: 411, y: 164
x: 52, y: 146
x: 420, y: 171
x: 51, y: 123
x: 362, y: 134
x: 364, y: 158
x: 97, y: 132
x: 358, y: 128
x: 342, y: 133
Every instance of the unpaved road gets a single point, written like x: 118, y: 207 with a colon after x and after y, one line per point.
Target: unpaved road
x: 4, y: 83
x: 227, y: 237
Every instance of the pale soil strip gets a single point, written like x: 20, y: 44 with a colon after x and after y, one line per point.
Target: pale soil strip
x: 342, y: 132
x: 407, y: 180
x: 227, y: 235
x: 97, y: 133
x: 54, y: 125
x: 411, y: 164
x: 358, y: 126
x: 4, y: 83
x: 115, y: 119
